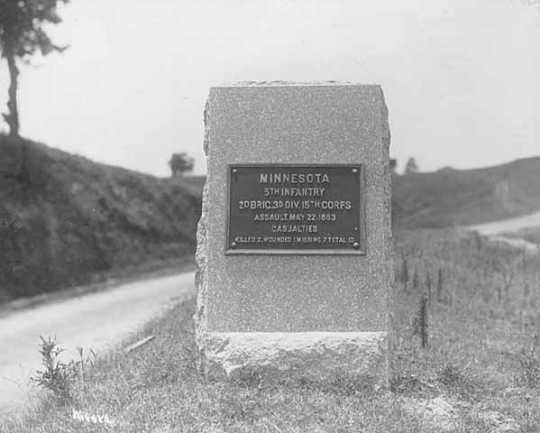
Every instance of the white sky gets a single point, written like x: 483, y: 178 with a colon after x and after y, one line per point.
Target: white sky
x: 460, y: 76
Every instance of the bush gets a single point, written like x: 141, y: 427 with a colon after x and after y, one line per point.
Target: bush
x: 57, y: 376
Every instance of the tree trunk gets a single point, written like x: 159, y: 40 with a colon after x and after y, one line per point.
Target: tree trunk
x: 12, y: 116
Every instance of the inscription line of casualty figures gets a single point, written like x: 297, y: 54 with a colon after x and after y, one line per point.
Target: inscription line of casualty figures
x: 296, y: 239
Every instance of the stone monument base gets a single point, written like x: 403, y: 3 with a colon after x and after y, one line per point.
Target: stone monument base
x: 321, y: 357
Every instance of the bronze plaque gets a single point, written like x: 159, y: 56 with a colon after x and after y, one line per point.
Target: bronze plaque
x: 295, y: 209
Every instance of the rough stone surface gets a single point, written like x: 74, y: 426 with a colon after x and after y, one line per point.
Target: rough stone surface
x: 319, y: 356
x: 499, y: 423
x: 201, y: 278
x: 294, y: 124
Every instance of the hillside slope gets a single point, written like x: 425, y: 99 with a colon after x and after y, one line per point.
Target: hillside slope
x: 462, y: 197
x: 64, y: 218
x: 458, y: 197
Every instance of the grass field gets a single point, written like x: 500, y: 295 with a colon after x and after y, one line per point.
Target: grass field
x: 483, y: 357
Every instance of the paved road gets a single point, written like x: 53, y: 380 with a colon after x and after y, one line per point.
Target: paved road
x: 98, y: 321
x: 495, y: 230
x: 508, y: 225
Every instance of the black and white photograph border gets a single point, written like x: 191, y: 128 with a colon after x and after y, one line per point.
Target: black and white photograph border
x: 269, y: 216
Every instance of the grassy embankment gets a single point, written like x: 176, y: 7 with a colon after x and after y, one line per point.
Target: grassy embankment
x: 66, y: 221
x: 481, y: 356
x: 450, y: 197
x: 465, y: 197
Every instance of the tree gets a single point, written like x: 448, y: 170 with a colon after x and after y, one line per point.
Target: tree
x: 411, y: 167
x: 393, y: 165
x: 22, y: 34
x: 180, y: 163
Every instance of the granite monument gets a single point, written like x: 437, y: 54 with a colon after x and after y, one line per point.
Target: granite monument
x: 294, y: 242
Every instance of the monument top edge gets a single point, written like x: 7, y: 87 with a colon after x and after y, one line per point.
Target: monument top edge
x: 295, y: 84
